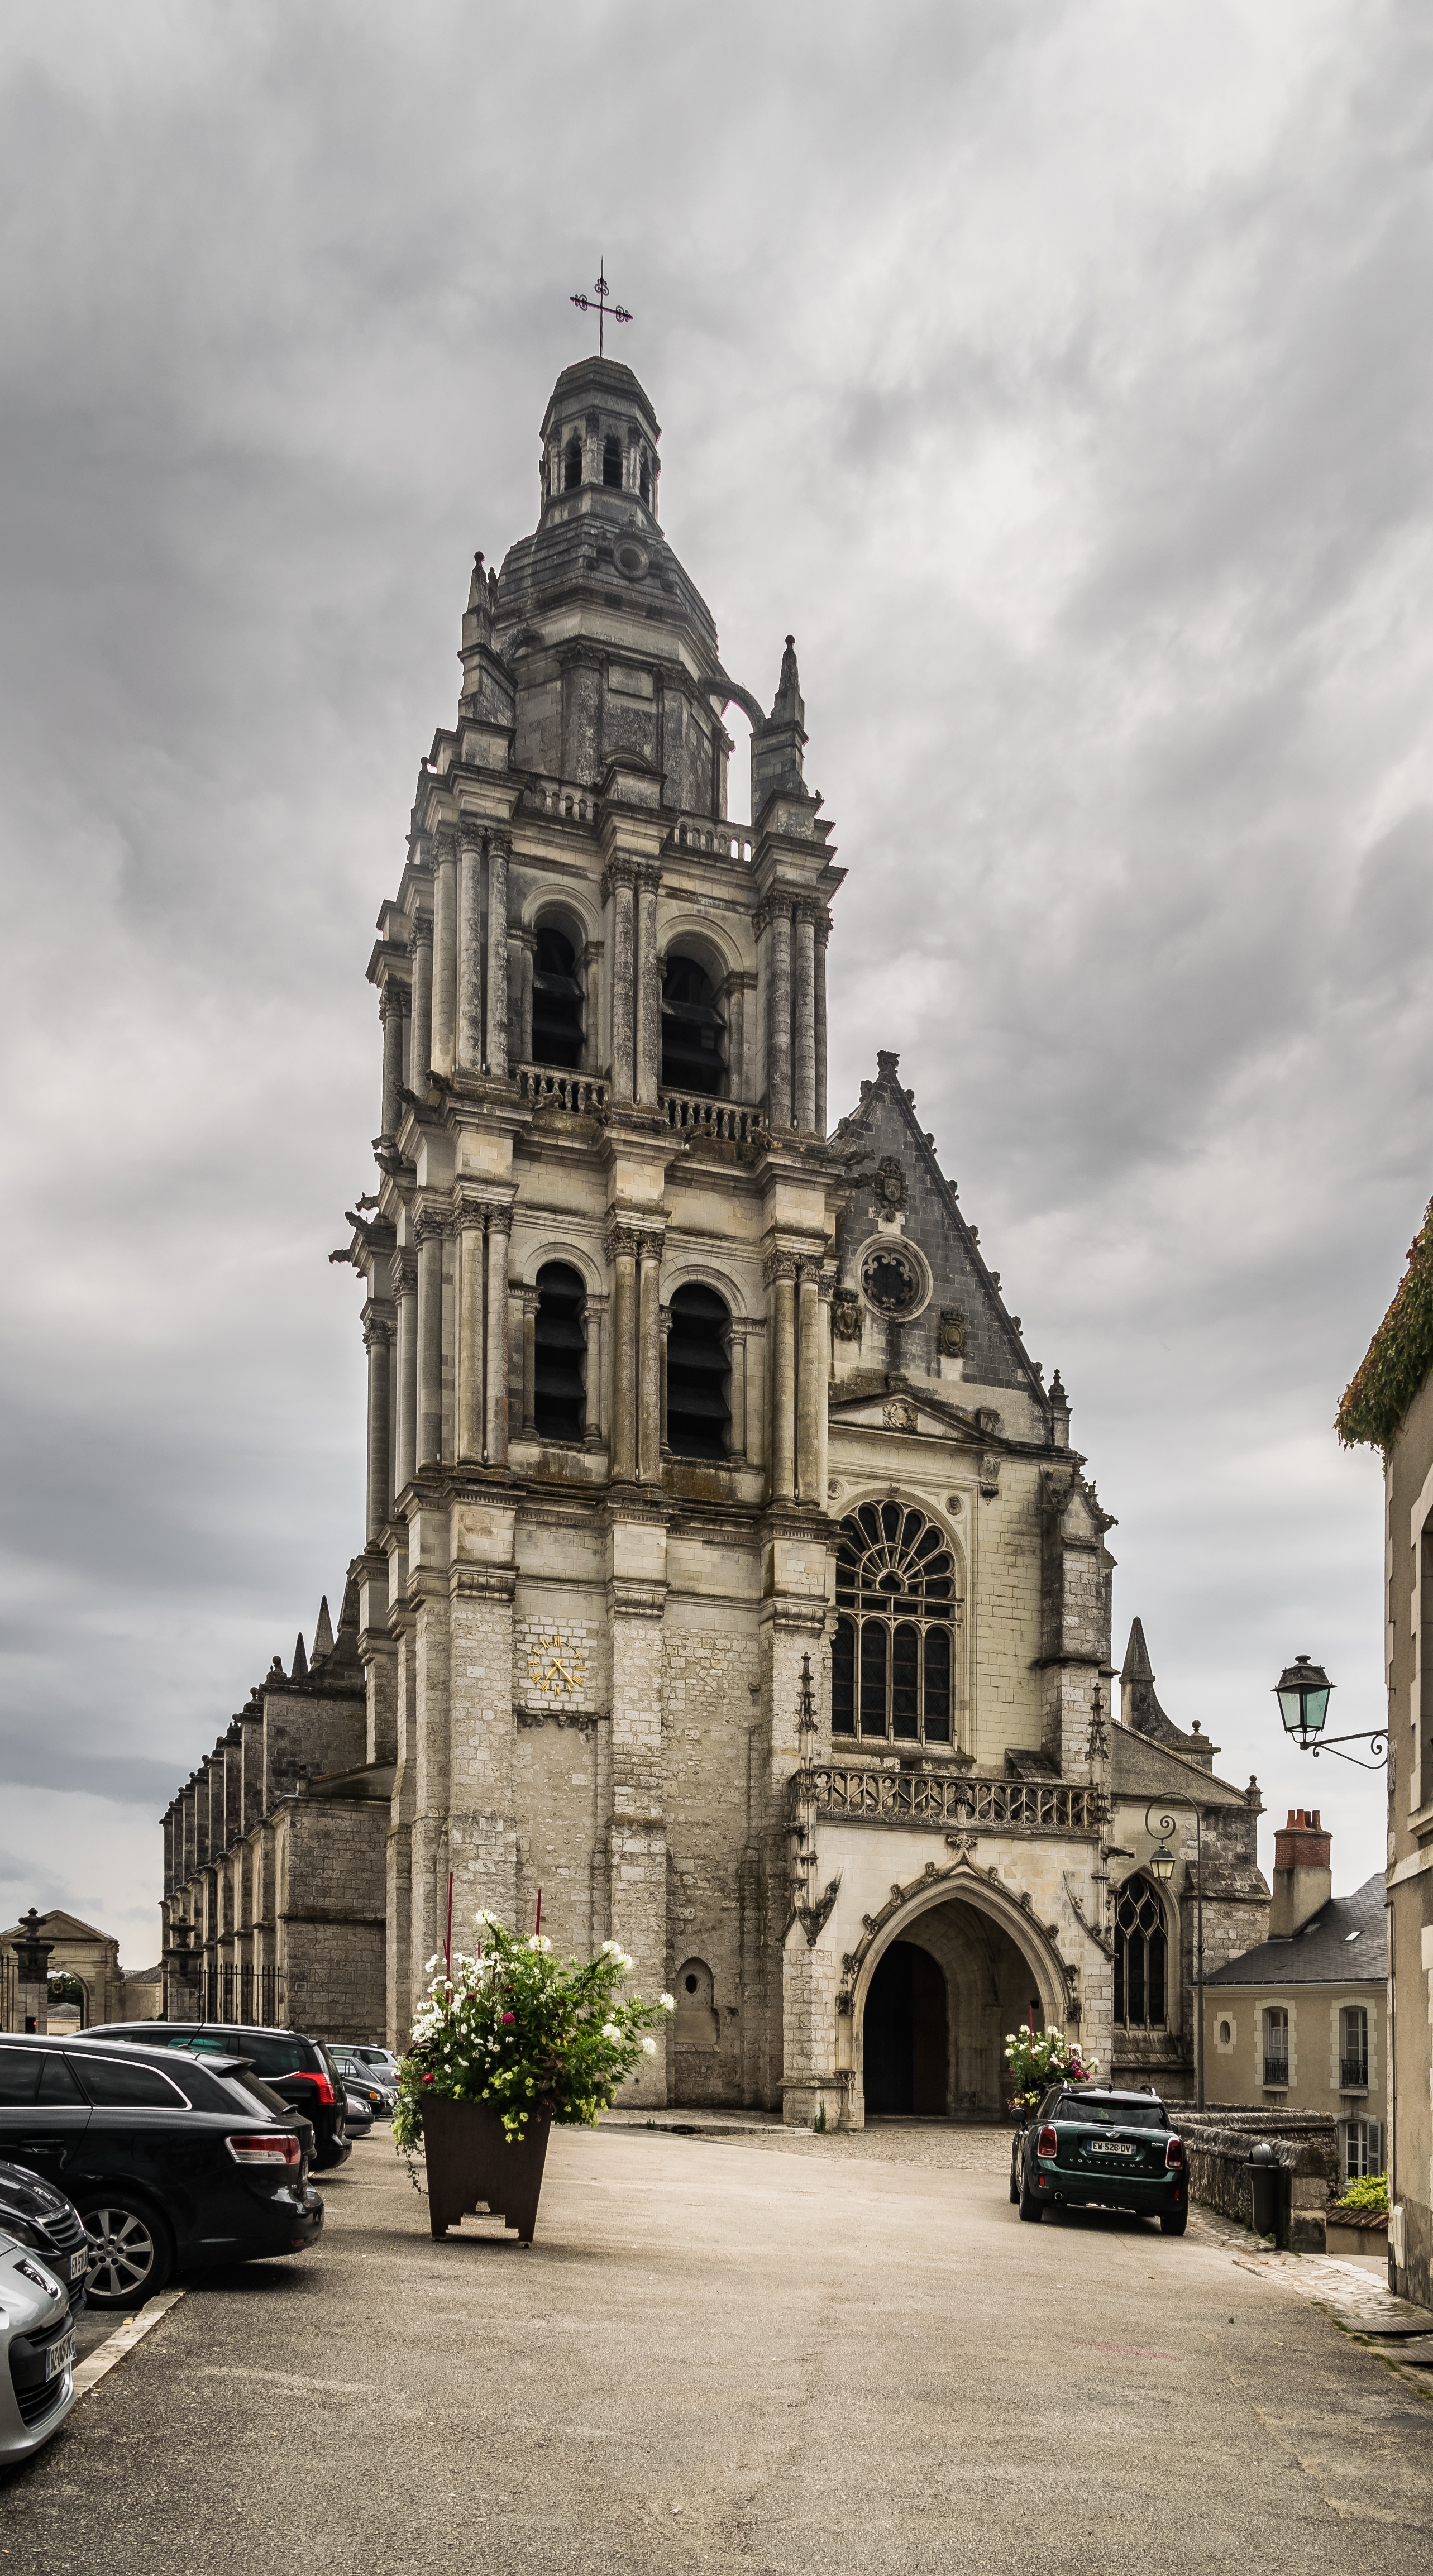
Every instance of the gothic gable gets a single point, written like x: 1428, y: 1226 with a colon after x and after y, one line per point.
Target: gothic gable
x: 903, y: 1245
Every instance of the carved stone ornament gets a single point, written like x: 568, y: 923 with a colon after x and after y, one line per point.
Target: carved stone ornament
x: 778, y: 1265
x: 623, y: 1243
x: 846, y: 1315
x: 899, y: 1415
x: 429, y: 1221
x: 891, y: 1280
x: 890, y: 1185
x: 990, y: 1475
x: 952, y: 1333
x: 422, y: 929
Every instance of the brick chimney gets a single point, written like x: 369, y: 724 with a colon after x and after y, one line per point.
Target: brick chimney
x: 1303, y: 1873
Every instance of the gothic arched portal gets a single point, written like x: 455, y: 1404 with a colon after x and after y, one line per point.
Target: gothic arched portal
x: 948, y: 1985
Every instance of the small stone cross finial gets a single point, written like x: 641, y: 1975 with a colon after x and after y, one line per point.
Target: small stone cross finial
x: 597, y: 303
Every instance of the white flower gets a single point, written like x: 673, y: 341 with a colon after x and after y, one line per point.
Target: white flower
x: 626, y: 1962
x: 611, y: 1950
x: 667, y: 2002
x: 649, y: 2048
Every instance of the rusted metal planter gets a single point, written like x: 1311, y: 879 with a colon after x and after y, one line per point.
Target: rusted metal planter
x: 471, y: 2166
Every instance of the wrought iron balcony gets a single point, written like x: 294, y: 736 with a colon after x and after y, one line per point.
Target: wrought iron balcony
x: 932, y: 1795
x: 1353, y: 2075
x: 1276, y: 2069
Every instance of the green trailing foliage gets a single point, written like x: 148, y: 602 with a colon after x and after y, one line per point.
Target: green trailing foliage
x: 1398, y: 1359
x: 1366, y: 2199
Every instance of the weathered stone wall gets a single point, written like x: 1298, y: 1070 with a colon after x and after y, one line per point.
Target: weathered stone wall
x: 1305, y: 2149
x: 710, y: 1686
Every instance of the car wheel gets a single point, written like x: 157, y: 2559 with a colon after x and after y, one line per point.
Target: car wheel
x: 131, y: 2251
x: 1173, y: 2222
x: 1031, y: 2209
x: 1014, y: 2177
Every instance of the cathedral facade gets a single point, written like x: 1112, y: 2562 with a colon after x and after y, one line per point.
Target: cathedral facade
x: 729, y: 1575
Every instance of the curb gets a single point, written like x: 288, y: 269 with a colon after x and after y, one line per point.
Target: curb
x: 97, y: 2363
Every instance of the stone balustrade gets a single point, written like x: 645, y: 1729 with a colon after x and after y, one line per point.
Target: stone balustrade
x: 933, y: 1795
x: 548, y: 1086
x: 697, y: 1113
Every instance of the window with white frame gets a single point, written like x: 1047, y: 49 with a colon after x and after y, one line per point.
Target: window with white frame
x: 1361, y: 2148
x: 1276, y: 2044
x: 1352, y: 2047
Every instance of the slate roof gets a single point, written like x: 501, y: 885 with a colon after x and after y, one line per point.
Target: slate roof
x: 1324, y: 1951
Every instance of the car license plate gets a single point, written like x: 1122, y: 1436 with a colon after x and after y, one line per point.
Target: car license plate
x: 59, y: 2356
x: 1111, y: 2147
x: 79, y: 2265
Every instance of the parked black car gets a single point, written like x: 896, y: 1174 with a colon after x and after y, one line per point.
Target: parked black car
x: 48, y: 2224
x: 170, y: 2164
x: 298, y: 2069
x: 1089, y: 2146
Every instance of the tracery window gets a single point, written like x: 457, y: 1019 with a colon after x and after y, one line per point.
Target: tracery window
x: 894, y: 1647
x: 1141, y: 1958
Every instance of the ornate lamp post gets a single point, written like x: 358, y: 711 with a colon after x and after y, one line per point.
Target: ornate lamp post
x: 1161, y: 1867
x: 1302, y: 1691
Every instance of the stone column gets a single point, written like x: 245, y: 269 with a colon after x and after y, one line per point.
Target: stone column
x: 618, y: 885
x: 390, y: 1013
x: 521, y: 947
x: 420, y: 1051
x: 429, y: 1233
x: 777, y: 922
x: 598, y: 1399
x: 738, y: 1390
x: 376, y: 1338
x: 754, y: 1341
x: 664, y: 1327
x: 499, y: 1228
x: 445, y: 951
x: 811, y: 1381
x: 498, y: 955
x: 823, y: 933
x: 622, y: 1253
x: 405, y: 1287
x: 823, y: 1396
x: 649, y: 990
x: 780, y: 1273
x: 741, y: 1074
x: 592, y: 1024
x: 649, y: 1438
x: 530, y: 1300
x: 803, y: 1017
x: 470, y: 951
x: 469, y: 1441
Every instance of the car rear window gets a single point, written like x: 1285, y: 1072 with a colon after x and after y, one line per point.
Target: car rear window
x: 241, y: 2090
x: 112, y: 2083
x: 1111, y: 2115
x: 271, y: 2052
x: 19, y: 2073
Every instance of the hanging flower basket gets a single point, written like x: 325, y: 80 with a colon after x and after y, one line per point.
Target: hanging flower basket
x: 1036, y: 2059
x: 509, y: 2042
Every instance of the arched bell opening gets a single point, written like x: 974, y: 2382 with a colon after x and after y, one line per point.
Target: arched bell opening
x: 693, y: 1029
x: 933, y: 2024
x: 560, y: 1354
x: 557, y: 1000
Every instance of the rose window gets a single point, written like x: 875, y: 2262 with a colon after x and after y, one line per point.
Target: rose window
x: 891, y: 1281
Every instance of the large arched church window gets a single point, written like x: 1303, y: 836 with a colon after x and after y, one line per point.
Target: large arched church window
x: 693, y: 1030
x: 893, y: 1654
x: 556, y: 1001
x: 1141, y: 1958
x: 699, y: 1374
x: 560, y: 1353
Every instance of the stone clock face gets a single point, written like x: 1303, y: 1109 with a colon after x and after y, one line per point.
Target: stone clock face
x: 557, y: 1669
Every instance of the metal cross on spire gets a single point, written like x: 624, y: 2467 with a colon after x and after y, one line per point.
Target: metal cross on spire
x: 597, y: 303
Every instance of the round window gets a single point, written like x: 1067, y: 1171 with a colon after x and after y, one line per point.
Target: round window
x: 632, y: 560
x: 891, y: 1281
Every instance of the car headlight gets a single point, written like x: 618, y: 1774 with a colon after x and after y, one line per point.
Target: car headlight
x: 42, y: 2279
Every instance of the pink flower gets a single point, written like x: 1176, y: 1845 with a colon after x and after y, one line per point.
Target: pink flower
x: 427, y: 2079
x: 508, y: 2019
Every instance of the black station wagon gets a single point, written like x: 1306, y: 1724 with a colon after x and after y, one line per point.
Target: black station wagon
x: 1090, y: 2147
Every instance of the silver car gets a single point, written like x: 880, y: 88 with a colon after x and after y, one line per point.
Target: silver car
x: 37, y: 2352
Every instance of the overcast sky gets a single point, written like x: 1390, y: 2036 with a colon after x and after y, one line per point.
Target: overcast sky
x: 1060, y: 374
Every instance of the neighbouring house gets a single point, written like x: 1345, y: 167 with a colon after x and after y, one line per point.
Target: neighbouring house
x: 82, y: 1959
x: 1299, y: 2023
x: 1388, y: 1405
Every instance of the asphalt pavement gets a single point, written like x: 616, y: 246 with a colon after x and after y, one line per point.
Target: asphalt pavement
x: 724, y: 2355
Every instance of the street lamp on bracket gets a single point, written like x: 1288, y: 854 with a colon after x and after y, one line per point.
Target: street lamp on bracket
x: 1302, y: 1691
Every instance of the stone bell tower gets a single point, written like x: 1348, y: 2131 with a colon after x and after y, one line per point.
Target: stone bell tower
x: 598, y: 1263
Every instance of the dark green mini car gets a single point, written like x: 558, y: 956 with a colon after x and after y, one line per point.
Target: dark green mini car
x: 1090, y: 2147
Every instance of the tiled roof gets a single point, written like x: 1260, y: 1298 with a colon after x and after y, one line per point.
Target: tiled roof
x: 1345, y: 1943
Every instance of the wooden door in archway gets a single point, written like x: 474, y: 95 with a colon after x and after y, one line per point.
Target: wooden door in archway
x: 906, y: 2035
